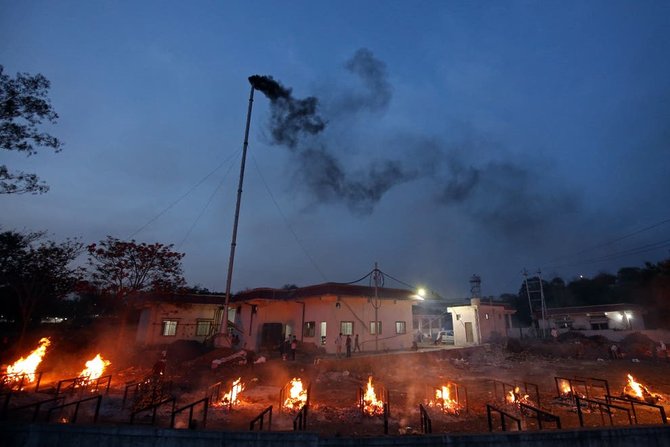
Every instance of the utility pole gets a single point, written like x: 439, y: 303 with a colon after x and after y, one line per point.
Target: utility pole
x: 233, y: 243
x: 378, y: 278
x: 534, y: 302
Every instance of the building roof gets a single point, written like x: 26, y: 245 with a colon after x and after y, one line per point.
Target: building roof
x: 267, y: 293
x: 600, y: 308
x: 329, y: 288
x: 179, y: 298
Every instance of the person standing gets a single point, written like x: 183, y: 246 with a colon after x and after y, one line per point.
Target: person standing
x: 338, y: 345
x: 348, y: 345
x: 357, y: 347
x: 294, y: 346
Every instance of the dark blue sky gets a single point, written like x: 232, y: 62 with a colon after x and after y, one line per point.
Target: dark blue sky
x: 461, y: 137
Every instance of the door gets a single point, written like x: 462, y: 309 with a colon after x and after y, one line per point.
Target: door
x: 322, y: 332
x: 469, y: 335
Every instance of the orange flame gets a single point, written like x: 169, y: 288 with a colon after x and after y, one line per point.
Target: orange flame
x: 27, y: 366
x: 232, y: 397
x: 444, y: 400
x: 297, y: 395
x: 639, y: 391
x: 515, y: 396
x: 371, y: 405
x: 94, y: 368
x: 635, y: 387
x: 565, y: 387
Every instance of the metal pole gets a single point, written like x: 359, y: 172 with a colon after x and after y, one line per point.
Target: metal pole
x: 233, y: 242
x: 375, y: 276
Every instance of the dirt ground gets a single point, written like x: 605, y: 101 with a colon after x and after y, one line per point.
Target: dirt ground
x: 409, y: 377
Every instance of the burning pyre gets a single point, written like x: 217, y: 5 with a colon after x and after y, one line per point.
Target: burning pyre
x: 444, y: 401
x: 371, y: 405
x: 636, y: 390
x: 24, y: 368
x: 297, y: 396
x: 94, y: 369
x: 231, y: 398
x: 515, y: 397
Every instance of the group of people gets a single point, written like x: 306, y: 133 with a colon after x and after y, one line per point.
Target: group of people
x: 347, y: 343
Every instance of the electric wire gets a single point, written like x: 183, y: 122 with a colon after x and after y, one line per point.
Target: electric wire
x: 202, y: 211
x: 183, y: 196
x: 631, y: 251
x: 610, y: 242
x: 288, y: 225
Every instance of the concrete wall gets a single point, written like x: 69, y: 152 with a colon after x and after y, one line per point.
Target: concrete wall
x: 149, y: 331
x: 37, y: 435
x: 333, y: 310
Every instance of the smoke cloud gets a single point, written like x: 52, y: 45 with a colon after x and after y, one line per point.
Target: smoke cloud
x: 290, y: 117
x: 501, y: 196
x: 372, y: 73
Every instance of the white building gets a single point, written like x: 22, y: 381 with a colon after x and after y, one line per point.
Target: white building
x: 619, y: 317
x: 480, y: 322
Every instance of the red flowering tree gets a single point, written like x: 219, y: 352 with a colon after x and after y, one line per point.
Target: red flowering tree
x: 125, y: 268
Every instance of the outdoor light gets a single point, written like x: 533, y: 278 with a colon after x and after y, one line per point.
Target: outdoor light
x: 619, y: 317
x: 629, y: 316
x: 421, y: 292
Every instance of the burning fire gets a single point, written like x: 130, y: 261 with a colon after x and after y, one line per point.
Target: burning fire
x: 232, y: 397
x: 638, y: 391
x: 94, y: 368
x: 297, y: 395
x: 371, y: 405
x: 444, y: 401
x: 565, y: 388
x: 515, y: 396
x: 26, y: 367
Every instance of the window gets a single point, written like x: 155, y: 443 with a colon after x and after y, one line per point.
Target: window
x: 458, y: 316
x: 347, y: 327
x: 486, y: 316
x: 374, y: 327
x: 309, y: 329
x: 169, y: 328
x: 203, y: 327
x: 400, y: 327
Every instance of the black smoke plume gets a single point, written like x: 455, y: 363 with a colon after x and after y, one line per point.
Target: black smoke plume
x: 290, y: 117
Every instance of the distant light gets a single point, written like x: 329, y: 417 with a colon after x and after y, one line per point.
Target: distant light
x: 421, y: 292
x: 629, y: 315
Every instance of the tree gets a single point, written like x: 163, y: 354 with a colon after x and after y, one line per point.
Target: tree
x: 24, y: 104
x: 125, y: 268
x: 36, y: 275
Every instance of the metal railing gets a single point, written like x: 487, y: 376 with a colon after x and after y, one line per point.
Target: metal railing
x: 213, y: 393
x: 426, y: 423
x: 540, y: 415
x: 16, y: 381
x: 77, y: 404
x: 608, y: 407
x: 84, y: 383
x: 261, y: 418
x: 57, y: 400
x: 506, y: 388
x: 490, y: 409
x: 300, y: 420
x: 153, y: 409
x: 190, y: 407
x: 634, y: 402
